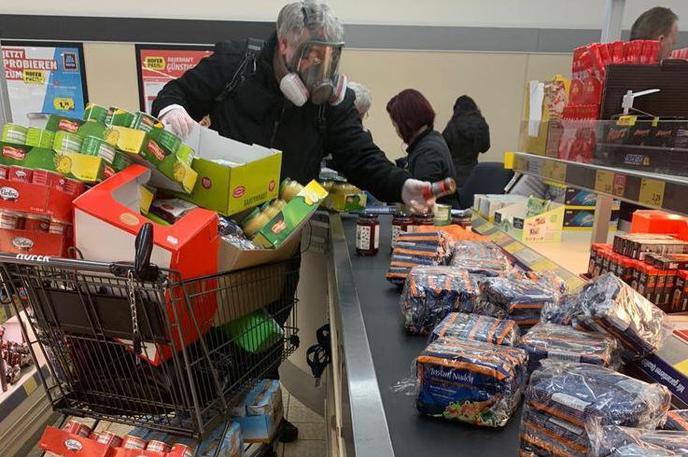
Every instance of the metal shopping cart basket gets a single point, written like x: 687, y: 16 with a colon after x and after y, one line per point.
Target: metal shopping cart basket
x: 138, y: 345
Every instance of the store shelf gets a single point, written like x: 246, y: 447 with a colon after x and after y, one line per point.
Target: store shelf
x: 652, y: 190
x: 571, y: 262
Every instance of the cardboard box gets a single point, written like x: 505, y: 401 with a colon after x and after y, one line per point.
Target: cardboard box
x: 67, y: 444
x: 106, y: 222
x: 582, y: 218
x: 231, y: 444
x: 53, y: 199
x: 227, y: 188
x: 487, y: 204
x: 291, y: 217
x: 261, y: 412
x: 169, y: 171
x: 547, y: 226
x: 33, y: 242
x: 72, y: 165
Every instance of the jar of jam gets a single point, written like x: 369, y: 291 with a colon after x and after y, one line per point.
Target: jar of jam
x: 400, y: 223
x: 255, y: 221
x: 289, y: 189
x: 367, y: 234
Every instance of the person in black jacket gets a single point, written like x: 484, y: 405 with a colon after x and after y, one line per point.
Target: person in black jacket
x: 289, y: 97
x: 428, y: 154
x: 294, y: 101
x: 467, y: 135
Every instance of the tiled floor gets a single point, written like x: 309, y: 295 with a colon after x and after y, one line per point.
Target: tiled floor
x: 311, y: 442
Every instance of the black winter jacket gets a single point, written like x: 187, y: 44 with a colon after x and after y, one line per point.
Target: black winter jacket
x: 467, y: 135
x: 257, y: 112
x: 429, y: 160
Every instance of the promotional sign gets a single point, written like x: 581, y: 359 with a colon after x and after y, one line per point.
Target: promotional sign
x: 45, y: 78
x: 157, y: 65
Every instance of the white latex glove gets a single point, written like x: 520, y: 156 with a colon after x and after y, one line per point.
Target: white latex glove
x: 412, y: 195
x: 178, y: 121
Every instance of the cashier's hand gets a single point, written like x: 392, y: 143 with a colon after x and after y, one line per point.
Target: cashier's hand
x: 179, y: 121
x: 412, y: 195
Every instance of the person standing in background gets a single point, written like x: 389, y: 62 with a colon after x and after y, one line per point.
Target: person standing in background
x: 363, y: 100
x: 467, y: 135
x: 428, y: 155
x: 660, y: 24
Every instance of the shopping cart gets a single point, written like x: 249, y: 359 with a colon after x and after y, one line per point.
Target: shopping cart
x: 135, y: 344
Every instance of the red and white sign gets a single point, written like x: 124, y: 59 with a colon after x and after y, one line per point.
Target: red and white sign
x: 159, y: 65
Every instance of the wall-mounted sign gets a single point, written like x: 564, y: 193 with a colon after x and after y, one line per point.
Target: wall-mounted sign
x: 45, y: 77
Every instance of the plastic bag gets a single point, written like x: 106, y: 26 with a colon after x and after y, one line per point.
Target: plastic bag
x: 614, y: 440
x: 611, y: 306
x: 538, y: 429
x: 468, y: 381
x: 484, y: 258
x: 475, y: 327
x: 578, y: 393
x: 562, y: 313
x: 677, y: 420
x: 559, y: 342
x: 416, y: 249
x: 521, y: 300
x: 430, y: 293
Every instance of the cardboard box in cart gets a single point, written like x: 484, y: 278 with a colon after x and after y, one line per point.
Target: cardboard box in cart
x: 107, y: 219
x: 232, y: 176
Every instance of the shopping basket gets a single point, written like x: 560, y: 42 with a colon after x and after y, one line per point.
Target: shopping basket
x: 99, y: 326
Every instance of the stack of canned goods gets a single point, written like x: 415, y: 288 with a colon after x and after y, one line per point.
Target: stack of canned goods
x: 127, y: 442
x: 13, y: 220
x: 96, y: 147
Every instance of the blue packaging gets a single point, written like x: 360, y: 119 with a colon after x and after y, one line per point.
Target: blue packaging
x: 260, y: 412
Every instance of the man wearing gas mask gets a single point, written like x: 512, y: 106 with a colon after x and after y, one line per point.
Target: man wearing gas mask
x: 290, y: 97
x: 287, y: 94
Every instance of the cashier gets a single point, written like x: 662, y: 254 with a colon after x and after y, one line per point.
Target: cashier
x: 660, y: 24
x: 291, y: 98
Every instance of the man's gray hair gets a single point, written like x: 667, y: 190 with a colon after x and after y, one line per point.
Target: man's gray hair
x: 363, y: 98
x: 314, y: 15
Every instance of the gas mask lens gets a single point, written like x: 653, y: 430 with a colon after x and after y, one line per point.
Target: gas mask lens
x: 317, y: 67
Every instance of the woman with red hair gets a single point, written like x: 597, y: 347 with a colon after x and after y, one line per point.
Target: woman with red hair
x: 429, y: 158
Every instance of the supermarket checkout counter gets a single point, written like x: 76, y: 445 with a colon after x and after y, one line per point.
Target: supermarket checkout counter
x: 373, y: 354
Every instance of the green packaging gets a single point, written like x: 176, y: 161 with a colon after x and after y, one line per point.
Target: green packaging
x: 119, y: 117
x: 185, y: 154
x: 95, y: 113
x: 97, y: 147
x: 81, y: 128
x: 14, y: 133
x: 39, y: 138
x: 67, y: 142
x: 121, y: 161
x: 146, y: 122
x: 255, y: 332
x: 168, y: 140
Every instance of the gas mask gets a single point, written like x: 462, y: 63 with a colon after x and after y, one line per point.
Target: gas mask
x: 313, y: 74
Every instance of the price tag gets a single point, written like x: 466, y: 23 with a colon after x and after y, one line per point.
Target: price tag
x: 627, y: 120
x: 521, y: 164
x: 513, y: 248
x: 559, y: 171
x: 651, y: 192
x: 604, y: 181
x: 30, y: 385
x: 543, y: 265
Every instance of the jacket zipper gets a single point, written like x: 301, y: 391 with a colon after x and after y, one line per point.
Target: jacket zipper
x: 276, y: 124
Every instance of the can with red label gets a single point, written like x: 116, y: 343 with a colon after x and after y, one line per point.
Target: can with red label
x: 9, y: 220
x: 20, y: 174
x: 57, y: 227
x: 37, y: 223
x: 4, y: 170
x: 77, y: 428
x: 109, y: 439
x: 133, y: 442
x: 40, y: 177
x: 157, y: 446
x: 181, y: 450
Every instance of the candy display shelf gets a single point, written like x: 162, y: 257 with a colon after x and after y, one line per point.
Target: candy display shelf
x: 652, y: 190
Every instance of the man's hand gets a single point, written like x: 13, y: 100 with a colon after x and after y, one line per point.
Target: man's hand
x: 412, y: 195
x: 179, y: 121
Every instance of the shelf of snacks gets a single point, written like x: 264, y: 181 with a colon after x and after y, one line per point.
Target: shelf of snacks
x: 653, y: 190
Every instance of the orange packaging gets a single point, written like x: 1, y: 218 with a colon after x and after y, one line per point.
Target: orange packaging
x: 655, y: 221
x: 453, y: 232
